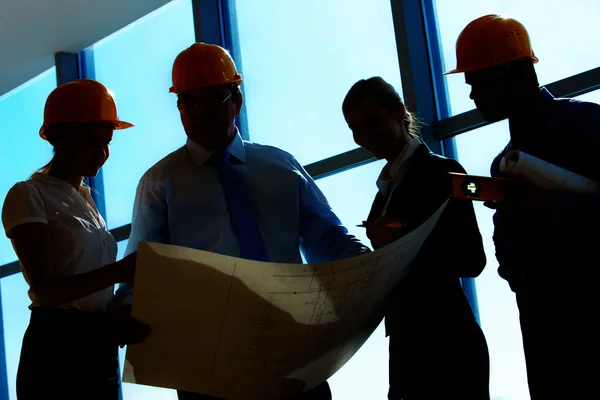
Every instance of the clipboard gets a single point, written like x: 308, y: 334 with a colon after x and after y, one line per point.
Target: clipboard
x: 481, y: 188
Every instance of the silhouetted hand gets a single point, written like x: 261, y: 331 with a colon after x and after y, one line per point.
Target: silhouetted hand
x: 380, y: 234
x: 493, y: 204
x: 127, y: 268
x: 126, y: 329
x: 524, y: 198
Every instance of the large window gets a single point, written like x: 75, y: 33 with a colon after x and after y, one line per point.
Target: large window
x: 560, y: 32
x: 299, y: 60
x: 23, y: 151
x: 497, y: 306
x: 365, y: 376
x: 135, y: 64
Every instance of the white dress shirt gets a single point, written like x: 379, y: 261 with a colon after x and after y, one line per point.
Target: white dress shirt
x: 180, y: 201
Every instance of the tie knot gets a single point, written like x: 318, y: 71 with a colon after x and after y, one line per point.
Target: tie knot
x: 221, y: 157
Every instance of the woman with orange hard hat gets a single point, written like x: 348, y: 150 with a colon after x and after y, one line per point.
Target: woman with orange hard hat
x: 68, y: 256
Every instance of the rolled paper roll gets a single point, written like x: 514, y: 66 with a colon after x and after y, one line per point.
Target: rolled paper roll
x: 544, y: 174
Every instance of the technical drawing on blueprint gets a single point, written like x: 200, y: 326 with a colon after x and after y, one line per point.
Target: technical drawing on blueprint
x: 241, y: 329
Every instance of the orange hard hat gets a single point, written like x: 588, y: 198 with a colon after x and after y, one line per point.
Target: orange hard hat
x: 203, y: 65
x: 82, y: 100
x: 491, y: 40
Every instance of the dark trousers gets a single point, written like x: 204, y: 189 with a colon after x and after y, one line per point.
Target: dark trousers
x: 67, y: 355
x: 437, y: 349
x: 321, y: 392
x: 560, y: 336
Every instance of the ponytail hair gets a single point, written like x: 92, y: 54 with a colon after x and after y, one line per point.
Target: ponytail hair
x: 46, y: 168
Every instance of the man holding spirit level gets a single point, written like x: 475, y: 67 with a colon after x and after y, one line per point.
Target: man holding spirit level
x: 544, y: 240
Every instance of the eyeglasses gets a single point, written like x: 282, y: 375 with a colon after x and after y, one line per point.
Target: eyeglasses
x: 191, y: 101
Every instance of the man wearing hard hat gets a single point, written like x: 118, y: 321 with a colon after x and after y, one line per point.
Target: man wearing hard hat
x: 545, y: 241
x: 222, y: 194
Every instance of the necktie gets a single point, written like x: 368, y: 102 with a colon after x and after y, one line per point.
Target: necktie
x: 240, y: 209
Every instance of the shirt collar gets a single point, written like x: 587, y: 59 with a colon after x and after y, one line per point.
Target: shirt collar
x: 200, y: 154
x: 390, y: 171
x: 538, y: 105
x: 520, y: 125
x: 393, y: 172
x: 39, y: 176
x: 546, y: 94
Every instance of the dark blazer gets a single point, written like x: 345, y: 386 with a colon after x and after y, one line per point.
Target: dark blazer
x: 453, y: 250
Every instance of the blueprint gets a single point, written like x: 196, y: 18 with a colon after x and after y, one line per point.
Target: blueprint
x: 240, y: 329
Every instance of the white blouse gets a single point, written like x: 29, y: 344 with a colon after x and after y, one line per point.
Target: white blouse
x: 80, y: 241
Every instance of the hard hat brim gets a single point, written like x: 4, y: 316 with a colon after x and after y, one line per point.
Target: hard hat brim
x: 454, y: 71
x: 174, y: 90
x: 119, y: 125
x: 534, y: 60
